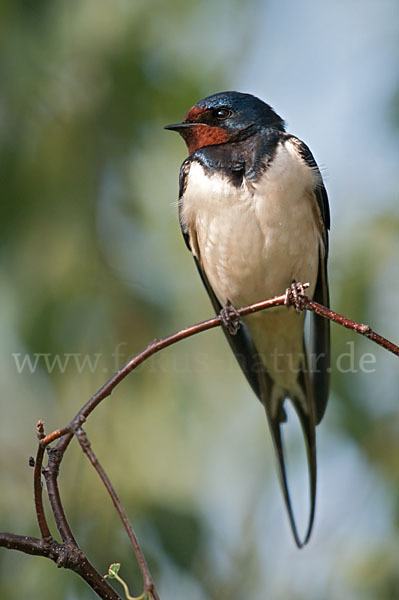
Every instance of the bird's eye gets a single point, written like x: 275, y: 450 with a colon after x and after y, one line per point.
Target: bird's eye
x: 221, y: 113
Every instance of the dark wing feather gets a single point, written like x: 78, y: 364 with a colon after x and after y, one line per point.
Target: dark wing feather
x: 321, y: 194
x: 320, y: 359
x: 320, y: 344
x: 182, y: 188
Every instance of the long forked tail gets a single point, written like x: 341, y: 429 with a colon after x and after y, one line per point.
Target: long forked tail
x: 307, y: 420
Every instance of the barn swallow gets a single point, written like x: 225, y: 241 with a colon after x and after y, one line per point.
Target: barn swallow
x: 254, y: 212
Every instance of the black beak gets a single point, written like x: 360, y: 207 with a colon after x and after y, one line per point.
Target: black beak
x: 178, y: 126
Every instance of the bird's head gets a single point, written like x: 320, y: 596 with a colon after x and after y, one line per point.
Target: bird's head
x: 225, y: 117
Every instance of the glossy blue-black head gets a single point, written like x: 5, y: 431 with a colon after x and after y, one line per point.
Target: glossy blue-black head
x: 225, y: 117
x: 235, y: 111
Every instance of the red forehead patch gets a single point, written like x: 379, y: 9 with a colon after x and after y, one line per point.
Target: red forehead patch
x: 194, y: 113
x: 200, y: 135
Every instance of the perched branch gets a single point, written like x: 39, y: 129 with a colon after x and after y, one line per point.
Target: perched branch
x: 349, y: 324
x: 158, y: 345
x: 68, y: 554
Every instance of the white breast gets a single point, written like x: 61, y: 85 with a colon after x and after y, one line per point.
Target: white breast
x: 255, y: 239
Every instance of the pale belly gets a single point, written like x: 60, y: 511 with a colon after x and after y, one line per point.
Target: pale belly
x: 253, y: 242
x: 248, y: 257
x: 247, y: 261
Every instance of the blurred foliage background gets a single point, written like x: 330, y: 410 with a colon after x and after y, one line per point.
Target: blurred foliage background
x: 93, y: 267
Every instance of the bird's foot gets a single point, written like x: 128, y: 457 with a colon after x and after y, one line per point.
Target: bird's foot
x: 230, y: 318
x: 294, y: 295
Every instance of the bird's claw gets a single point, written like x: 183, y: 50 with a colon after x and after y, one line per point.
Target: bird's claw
x: 230, y: 318
x: 294, y: 295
